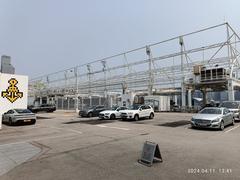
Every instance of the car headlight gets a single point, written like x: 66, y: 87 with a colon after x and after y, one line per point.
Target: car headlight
x: 130, y: 113
x: 216, y: 120
x: 106, y: 114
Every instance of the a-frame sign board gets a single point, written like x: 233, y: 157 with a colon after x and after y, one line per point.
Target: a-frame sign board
x: 151, y: 153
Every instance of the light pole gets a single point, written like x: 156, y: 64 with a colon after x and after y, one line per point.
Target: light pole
x: 76, y: 76
x: 150, y: 84
x: 105, y: 78
x: 89, y: 83
x: 183, y: 95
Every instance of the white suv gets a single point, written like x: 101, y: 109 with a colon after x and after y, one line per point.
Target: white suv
x: 138, y: 111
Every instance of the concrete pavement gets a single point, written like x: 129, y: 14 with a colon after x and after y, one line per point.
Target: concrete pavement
x: 82, y: 148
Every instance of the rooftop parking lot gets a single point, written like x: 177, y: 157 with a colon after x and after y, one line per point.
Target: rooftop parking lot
x: 63, y: 146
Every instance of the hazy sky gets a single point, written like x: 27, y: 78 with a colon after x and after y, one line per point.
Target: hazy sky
x: 43, y: 36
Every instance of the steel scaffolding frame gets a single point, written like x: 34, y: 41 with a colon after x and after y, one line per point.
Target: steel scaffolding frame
x: 147, y: 69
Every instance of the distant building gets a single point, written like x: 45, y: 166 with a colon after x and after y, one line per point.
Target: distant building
x: 6, y: 66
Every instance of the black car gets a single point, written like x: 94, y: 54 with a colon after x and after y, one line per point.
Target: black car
x: 42, y: 108
x: 91, y: 111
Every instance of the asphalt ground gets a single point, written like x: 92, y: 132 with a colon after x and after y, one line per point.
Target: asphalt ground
x: 89, y: 149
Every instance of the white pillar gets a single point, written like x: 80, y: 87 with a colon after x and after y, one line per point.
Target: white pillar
x: 183, y: 96
x: 190, y: 98
x: 77, y: 103
x: 40, y: 100
x: 230, y: 90
x: 68, y: 99
x: 48, y: 101
x: 175, y: 99
x: 90, y: 99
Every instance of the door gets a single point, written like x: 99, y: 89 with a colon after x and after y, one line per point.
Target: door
x: 148, y: 110
x: 142, y: 111
x: 230, y: 116
x: 7, y: 115
x: 98, y: 110
x: 227, y: 117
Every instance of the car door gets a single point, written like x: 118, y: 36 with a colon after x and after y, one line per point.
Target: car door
x: 7, y: 115
x: 229, y: 116
x: 226, y: 116
x: 98, y: 110
x: 148, y: 110
x: 142, y: 111
x: 117, y: 112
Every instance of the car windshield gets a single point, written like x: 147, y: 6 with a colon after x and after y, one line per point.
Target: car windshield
x: 134, y: 107
x: 114, y: 108
x: 89, y: 107
x: 230, y: 105
x: 22, y: 111
x: 211, y: 111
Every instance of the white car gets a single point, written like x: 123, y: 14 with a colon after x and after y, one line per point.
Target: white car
x: 114, y: 113
x: 138, y: 111
x: 14, y: 116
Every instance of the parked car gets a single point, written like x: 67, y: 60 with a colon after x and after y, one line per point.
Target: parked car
x: 91, y: 111
x: 138, y: 111
x: 213, y: 117
x: 14, y: 116
x: 233, y: 106
x: 114, y: 113
x: 42, y: 108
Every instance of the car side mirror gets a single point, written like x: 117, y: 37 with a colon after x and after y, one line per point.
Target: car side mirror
x: 140, y: 109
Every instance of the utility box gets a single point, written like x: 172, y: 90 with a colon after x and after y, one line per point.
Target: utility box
x: 6, y: 66
x: 197, y: 69
x: 127, y: 99
x: 14, y: 93
x: 158, y: 103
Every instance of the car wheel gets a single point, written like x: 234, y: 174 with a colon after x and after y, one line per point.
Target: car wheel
x: 90, y: 114
x: 233, y: 120
x: 151, y: 116
x: 33, y: 121
x: 10, y: 122
x: 112, y: 116
x: 222, y: 126
x: 136, y: 117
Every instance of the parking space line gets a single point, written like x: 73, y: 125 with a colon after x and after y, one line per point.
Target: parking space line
x: 103, y: 126
x: 232, y: 129
x: 35, y: 139
x: 67, y: 129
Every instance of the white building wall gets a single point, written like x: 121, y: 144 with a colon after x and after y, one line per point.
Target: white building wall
x: 22, y: 86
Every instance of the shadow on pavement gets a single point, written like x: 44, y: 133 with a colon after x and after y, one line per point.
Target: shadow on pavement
x: 42, y: 117
x: 175, y: 123
x: 90, y: 121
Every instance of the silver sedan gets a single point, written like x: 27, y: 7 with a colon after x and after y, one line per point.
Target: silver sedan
x: 213, y: 117
x: 14, y: 116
